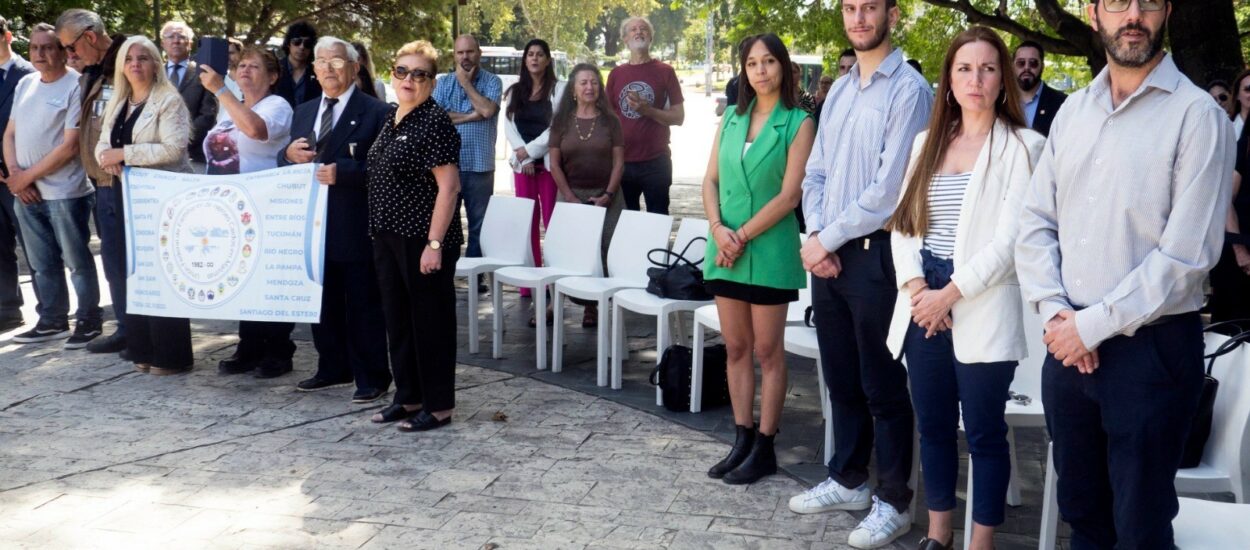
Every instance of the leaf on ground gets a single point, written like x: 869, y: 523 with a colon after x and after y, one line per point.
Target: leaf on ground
x: 499, y: 416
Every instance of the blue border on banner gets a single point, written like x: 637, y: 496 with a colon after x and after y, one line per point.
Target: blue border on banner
x: 310, y: 229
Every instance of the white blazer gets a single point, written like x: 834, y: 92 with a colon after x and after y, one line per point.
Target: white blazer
x: 537, y: 148
x: 988, y: 320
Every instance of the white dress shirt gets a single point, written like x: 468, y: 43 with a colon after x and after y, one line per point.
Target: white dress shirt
x: 338, y: 110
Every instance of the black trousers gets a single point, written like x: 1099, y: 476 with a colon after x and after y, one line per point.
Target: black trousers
x: 265, y: 340
x: 867, y: 386
x: 10, y: 236
x: 650, y: 179
x: 164, y: 342
x: 351, y: 337
x: 1118, y: 434
x: 420, y: 321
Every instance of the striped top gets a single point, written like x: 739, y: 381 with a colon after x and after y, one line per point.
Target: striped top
x: 946, y: 198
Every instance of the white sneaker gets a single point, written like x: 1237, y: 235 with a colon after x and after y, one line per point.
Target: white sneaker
x: 881, y: 527
x: 830, y: 495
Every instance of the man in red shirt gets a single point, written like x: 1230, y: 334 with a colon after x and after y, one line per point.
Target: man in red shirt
x: 646, y: 96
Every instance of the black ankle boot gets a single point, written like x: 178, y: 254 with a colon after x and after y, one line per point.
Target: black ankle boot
x: 761, y: 462
x: 742, y: 447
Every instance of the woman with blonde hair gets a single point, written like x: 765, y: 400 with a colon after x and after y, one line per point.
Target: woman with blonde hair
x: 959, y: 318
x: 147, y: 124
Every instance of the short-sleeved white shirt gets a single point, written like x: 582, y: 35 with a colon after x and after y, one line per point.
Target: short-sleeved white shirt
x: 229, y: 151
x: 43, y: 112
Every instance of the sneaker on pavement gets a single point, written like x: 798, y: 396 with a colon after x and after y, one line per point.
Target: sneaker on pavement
x: 881, y: 527
x: 84, y: 332
x: 43, y: 333
x: 830, y: 495
x: 113, y: 343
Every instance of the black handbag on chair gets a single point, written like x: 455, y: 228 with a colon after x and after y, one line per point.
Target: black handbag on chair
x: 677, y: 278
x: 1200, y: 428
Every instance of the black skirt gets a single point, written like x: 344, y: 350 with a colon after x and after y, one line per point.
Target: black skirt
x: 751, y: 294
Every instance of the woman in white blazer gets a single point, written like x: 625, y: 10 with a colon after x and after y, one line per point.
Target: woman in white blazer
x: 147, y: 124
x: 527, y: 121
x: 958, y: 319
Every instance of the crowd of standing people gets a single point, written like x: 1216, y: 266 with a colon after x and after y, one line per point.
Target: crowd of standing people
x: 924, y: 218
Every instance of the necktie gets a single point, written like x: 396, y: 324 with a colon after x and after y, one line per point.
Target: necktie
x: 327, y: 122
x: 173, y: 74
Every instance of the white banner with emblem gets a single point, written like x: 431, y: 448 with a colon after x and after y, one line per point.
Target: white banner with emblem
x: 246, y: 246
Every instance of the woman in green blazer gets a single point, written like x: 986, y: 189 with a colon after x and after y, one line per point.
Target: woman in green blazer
x: 752, y: 264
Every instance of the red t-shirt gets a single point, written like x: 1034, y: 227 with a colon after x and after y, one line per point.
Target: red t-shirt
x: 656, y: 82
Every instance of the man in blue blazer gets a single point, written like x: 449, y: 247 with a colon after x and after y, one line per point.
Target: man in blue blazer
x: 336, y: 130
x: 12, y: 69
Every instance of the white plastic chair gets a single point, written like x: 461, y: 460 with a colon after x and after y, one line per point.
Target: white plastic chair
x: 636, y: 234
x: 640, y: 301
x: 801, y: 341
x: 571, y: 249
x: 1027, y: 382
x: 502, y: 246
x: 1203, y: 524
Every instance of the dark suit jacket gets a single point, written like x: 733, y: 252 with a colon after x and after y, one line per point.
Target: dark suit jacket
x: 347, y: 210
x: 20, y: 68
x: 201, y: 104
x: 285, y: 86
x: 1047, y: 106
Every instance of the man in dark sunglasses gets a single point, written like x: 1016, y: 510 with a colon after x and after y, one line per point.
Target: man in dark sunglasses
x: 298, y: 82
x: 1039, y: 101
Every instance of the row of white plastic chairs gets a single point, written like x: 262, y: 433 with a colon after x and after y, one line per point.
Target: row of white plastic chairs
x: 573, y: 268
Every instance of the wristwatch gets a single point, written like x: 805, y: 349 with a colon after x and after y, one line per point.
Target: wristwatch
x: 435, y: 244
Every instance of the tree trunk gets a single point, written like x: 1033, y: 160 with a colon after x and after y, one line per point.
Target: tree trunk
x: 1204, y: 40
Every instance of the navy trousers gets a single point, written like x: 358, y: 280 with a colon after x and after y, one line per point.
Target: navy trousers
x: 1118, y: 434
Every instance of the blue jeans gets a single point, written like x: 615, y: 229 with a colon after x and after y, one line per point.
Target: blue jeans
x: 475, y: 191
x: 942, y: 386
x: 111, y: 227
x: 56, y: 233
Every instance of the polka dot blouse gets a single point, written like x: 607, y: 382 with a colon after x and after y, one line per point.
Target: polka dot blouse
x: 402, y: 189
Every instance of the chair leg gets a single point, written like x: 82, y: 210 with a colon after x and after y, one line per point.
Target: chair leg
x: 540, y: 318
x: 618, y: 345
x: 496, y: 300
x: 968, y: 509
x: 603, y: 342
x: 661, y: 343
x: 696, y: 368
x: 472, y: 314
x: 557, y: 332
x: 1050, y: 504
x: 679, y: 328
x: 915, y: 471
x: 1013, y: 484
x: 826, y: 411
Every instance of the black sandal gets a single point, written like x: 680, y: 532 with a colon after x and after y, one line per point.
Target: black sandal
x: 422, y: 422
x: 394, y: 412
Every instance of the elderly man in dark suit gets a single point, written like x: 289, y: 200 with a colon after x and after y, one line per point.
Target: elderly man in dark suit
x: 176, y: 38
x: 12, y: 69
x: 1040, y: 102
x: 336, y: 130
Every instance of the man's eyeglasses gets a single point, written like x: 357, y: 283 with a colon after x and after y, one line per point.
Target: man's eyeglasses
x: 1117, y: 6
x: 1031, y: 63
x: 401, y: 72
x: 302, y: 42
x: 175, y: 37
x: 70, y: 47
x: 336, y: 63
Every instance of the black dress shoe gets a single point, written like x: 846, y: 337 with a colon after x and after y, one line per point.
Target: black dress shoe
x: 113, y: 343
x: 930, y: 544
x: 743, y: 442
x: 318, y: 384
x: 273, y: 368
x: 423, y: 422
x: 394, y: 412
x: 10, y: 323
x: 761, y: 462
x: 237, y: 365
x: 367, y: 396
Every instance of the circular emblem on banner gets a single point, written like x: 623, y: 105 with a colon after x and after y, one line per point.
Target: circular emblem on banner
x: 207, y: 238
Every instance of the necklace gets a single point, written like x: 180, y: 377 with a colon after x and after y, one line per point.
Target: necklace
x: 578, y: 127
x: 137, y: 103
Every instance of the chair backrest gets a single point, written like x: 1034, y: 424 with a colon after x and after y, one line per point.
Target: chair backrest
x: 501, y: 235
x: 1228, y: 448
x: 1028, y: 380
x: 574, y: 238
x: 636, y: 234
x: 689, y: 230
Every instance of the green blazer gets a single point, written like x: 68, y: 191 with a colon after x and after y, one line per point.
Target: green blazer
x: 746, y: 185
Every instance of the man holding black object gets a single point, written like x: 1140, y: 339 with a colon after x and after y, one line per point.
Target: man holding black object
x: 340, y: 128
x: 176, y: 38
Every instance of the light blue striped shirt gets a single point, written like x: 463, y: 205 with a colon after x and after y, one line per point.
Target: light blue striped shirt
x: 856, y: 168
x: 1125, y: 212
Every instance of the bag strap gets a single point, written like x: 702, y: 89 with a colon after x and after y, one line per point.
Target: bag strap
x: 1225, y: 348
x: 1239, y: 324
x: 681, y: 256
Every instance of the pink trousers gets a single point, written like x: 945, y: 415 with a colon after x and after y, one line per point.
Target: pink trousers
x: 542, y: 188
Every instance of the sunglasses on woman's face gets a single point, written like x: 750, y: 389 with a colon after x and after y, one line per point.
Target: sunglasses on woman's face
x: 400, y: 72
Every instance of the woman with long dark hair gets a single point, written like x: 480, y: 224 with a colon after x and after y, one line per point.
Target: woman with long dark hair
x: 752, y: 265
x: 1230, y: 279
x: 959, y: 315
x: 366, y: 79
x: 527, y: 121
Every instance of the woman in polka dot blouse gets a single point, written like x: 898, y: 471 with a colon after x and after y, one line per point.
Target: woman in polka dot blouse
x: 413, y: 184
